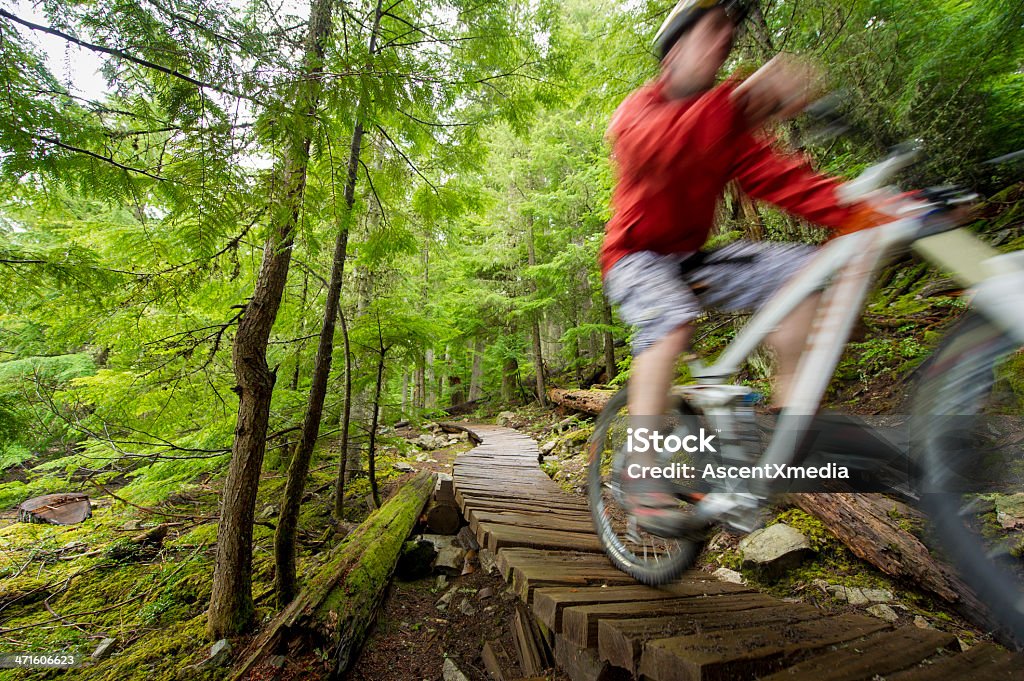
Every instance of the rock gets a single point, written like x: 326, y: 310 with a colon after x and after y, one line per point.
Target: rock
x: 466, y: 608
x: 269, y: 511
x: 403, y: 467
x: 446, y: 599
x: 132, y: 526
x: 450, y: 560
x: 220, y: 654
x: 450, y: 672
x: 505, y: 417
x: 547, y: 447
x: 428, y: 441
x: 450, y: 556
x: 442, y: 581
x: 922, y: 623
x: 883, y: 612
x: 1010, y: 511
x: 452, y: 440
x: 877, y: 595
x: 104, y: 649
x: 774, y: 549
x: 487, y: 562
x: 727, y: 575
x: 859, y: 596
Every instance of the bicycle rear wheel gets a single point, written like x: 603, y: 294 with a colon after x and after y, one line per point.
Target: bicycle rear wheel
x: 648, y: 558
x: 967, y: 429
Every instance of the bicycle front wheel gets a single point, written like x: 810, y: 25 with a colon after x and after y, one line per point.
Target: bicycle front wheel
x: 646, y: 557
x: 967, y: 430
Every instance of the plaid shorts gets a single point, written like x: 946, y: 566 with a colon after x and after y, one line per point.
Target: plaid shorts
x: 659, y: 293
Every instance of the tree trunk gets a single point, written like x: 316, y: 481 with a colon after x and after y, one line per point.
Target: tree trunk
x: 430, y: 397
x: 417, y: 385
x: 341, y: 601
x: 302, y: 332
x: 611, y: 369
x: 298, y: 469
x: 231, y: 605
x: 346, y: 420
x: 371, y: 454
x: 509, y: 376
x: 760, y: 31
x: 443, y: 377
x: 476, y: 376
x: 405, y: 394
x: 538, y: 355
x: 863, y: 522
x: 577, y: 353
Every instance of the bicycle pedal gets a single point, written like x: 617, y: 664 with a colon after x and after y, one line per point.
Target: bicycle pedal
x: 739, y: 511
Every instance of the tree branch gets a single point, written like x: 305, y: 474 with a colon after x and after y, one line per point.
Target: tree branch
x: 407, y: 159
x: 123, y: 55
x: 99, y: 157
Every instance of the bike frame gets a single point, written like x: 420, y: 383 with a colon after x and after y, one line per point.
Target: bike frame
x: 844, y: 271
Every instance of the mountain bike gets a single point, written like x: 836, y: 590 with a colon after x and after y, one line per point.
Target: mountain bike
x: 964, y: 429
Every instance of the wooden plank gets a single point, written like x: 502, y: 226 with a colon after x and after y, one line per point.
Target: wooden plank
x: 465, y: 496
x: 525, y: 579
x: 517, y: 556
x: 501, y: 489
x: 982, y: 662
x: 742, y: 653
x: 528, y: 649
x: 550, y: 602
x: 552, y: 521
x: 539, y: 522
x: 580, y: 624
x: 496, y: 537
x: 621, y: 641
x: 582, y: 664
x: 498, y: 662
x: 877, y: 655
x: 522, y: 506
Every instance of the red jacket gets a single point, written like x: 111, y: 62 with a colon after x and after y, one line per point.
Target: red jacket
x: 674, y: 159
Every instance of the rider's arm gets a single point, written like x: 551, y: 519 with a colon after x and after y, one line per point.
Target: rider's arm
x: 789, y: 182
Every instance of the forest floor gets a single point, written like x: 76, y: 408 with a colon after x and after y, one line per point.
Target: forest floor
x: 67, y: 588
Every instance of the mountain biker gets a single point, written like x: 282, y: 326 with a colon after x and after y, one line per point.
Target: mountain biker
x: 676, y: 143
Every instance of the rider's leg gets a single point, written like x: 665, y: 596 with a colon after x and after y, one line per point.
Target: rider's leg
x: 651, y: 373
x: 788, y: 343
x: 650, y: 378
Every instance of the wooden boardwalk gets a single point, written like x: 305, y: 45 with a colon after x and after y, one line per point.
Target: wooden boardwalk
x: 603, y: 625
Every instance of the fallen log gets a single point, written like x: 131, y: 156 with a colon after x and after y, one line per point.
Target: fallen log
x: 864, y: 523
x: 442, y: 518
x: 340, y: 602
x: 455, y: 428
x: 586, y: 401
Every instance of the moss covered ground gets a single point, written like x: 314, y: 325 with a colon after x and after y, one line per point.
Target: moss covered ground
x: 64, y: 589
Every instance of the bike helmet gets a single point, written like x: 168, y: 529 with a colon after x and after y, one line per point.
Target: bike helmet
x: 686, y: 13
